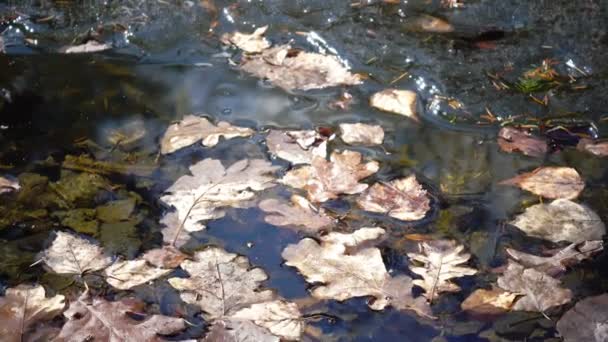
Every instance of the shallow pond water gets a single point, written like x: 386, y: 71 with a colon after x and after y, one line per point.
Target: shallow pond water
x: 167, y: 61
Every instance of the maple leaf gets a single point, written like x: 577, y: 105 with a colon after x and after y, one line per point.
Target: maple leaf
x: 73, y: 254
x: 403, y: 199
x: 127, y: 274
x: 297, y: 147
x: 301, y: 215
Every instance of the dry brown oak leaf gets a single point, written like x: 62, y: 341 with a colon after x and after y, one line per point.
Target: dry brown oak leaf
x: 250, y: 43
x: 325, y: 180
x: 361, y: 134
x: 396, y: 101
x: 74, y: 254
x: 23, y: 309
x: 301, y: 215
x: 344, y: 266
x: 441, y: 261
x: 513, y: 140
x: 489, y: 302
x: 550, y: 182
x: 192, y: 129
x: 99, y: 320
x: 290, y: 69
x: 210, y: 187
x: 587, y: 321
x: 403, y: 199
x: 297, y: 147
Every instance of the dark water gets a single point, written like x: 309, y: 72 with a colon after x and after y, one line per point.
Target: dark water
x: 166, y: 63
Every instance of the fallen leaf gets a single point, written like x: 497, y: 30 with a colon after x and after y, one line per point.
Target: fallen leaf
x: 557, y: 263
x: 280, y: 317
x: 561, y: 220
x: 250, y: 43
x: 23, y: 308
x: 342, y: 266
x: 586, y: 321
x: 73, y: 254
x: 538, y: 290
x: 489, y: 302
x: 297, y: 147
x: 192, y: 129
x: 428, y: 23
x: 99, y: 320
x: 173, y: 233
x: 301, y: 215
x: 127, y: 274
x: 358, y: 133
x: 235, y: 330
x: 290, y: 68
x: 9, y: 184
x: 441, y: 260
x: 200, y: 196
x: 325, y: 180
x: 514, y: 140
x: 88, y: 47
x: 550, y: 182
x: 396, y: 101
x: 116, y: 211
x: 166, y: 257
x: 599, y: 149
x: 403, y: 199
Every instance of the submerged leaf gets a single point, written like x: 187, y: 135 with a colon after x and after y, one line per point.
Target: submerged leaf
x: 403, y: 199
x: 561, y: 220
x: 302, y: 215
x: 442, y: 260
x: 236, y: 330
x: 195, y: 128
x: 586, y: 321
x: 297, y: 147
x: 396, y: 101
x: 513, y: 140
x: 250, y: 43
x: 72, y: 254
x: 489, y: 302
x: 550, y: 182
x: 359, y: 133
x: 166, y: 257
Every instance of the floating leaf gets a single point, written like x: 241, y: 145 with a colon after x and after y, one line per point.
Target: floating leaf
x: 325, y: 180
x: 127, y: 274
x: 290, y: 68
x: 442, y: 260
x: 297, y: 147
x: 166, y: 257
x: 88, y: 47
x: 343, y: 267
x: 250, y: 43
x: 195, y: 128
x: 539, y: 291
x: 396, y: 101
x: 561, y: 220
x: 428, y: 23
x: 281, y: 318
x: 403, y: 199
x: 550, y: 182
x: 302, y: 215
x: 358, y: 133
x: 72, y: 254
x: 236, y: 330
x: 599, y: 149
x: 514, y: 140
x: 173, y: 233
x: 23, y: 308
x: 8, y: 184
x: 586, y: 321
x: 489, y: 302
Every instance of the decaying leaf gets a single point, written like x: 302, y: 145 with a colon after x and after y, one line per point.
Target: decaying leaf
x: 73, y: 254
x: 250, y: 43
x: 561, y: 220
x: 9, y: 184
x: 396, y: 101
x: 343, y: 267
x: 599, y: 149
x: 280, y: 317
x: 301, y: 215
x: 359, y: 133
x: 489, y: 302
x: 325, y: 180
x: 200, y: 196
x: 127, y: 274
x: 550, y: 182
x: 587, y: 321
x: 165, y: 257
x: 297, y: 147
x: 403, y: 199
x: 195, y: 128
x: 558, y: 262
x: 88, y: 47
x: 22, y: 309
x: 538, y: 290
x: 99, y: 320
x: 173, y: 232
x: 513, y: 140
x: 441, y: 260
x: 428, y: 23
x: 228, y: 330
x: 290, y: 68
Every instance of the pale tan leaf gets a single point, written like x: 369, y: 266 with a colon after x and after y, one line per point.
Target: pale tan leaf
x: 23, y: 308
x: 236, y: 330
x: 88, y: 47
x: 489, y: 302
x: 403, y: 199
x: 428, y: 23
x: 359, y: 133
x: 173, y: 232
x: 441, y: 261
x: 513, y: 140
x: 71, y: 254
x: 325, y: 180
x: 281, y: 318
x: 250, y: 43
x: 9, y: 184
x: 550, y: 182
x: 165, y: 257
x: 561, y: 220
x: 297, y: 147
x: 301, y: 215
x: 396, y: 101
x: 599, y: 149
x: 538, y: 290
x: 127, y: 274
x: 192, y: 129
x: 290, y: 69
x: 587, y: 321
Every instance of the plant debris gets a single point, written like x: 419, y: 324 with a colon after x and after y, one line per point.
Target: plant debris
x: 514, y: 140
x: 550, y: 182
x: 300, y: 215
x: 403, y: 199
x: 297, y: 147
x: 363, y: 134
x: 250, y: 43
x: 396, y: 101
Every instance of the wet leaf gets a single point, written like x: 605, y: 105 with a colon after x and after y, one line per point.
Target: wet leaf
x: 99, y: 320
x: 301, y: 215
x: 116, y: 211
x: 403, y: 199
x: 538, y: 290
x: 441, y: 260
x: 127, y: 274
x: 167, y: 257
x: 280, y: 317
x: 297, y: 147
x: 81, y: 220
x: 79, y: 189
x: 558, y: 262
x: 128, y: 134
x: 343, y: 266
x: 325, y: 180
x: 172, y: 231
x: 489, y: 302
x: 88, y: 47
x: 86, y: 164
x: 561, y: 220
x: 202, y: 195
x: 23, y: 308
x: 396, y: 101
x: 514, y: 140
x: 120, y: 238
x: 238, y: 331
x: 550, y: 182
x: 73, y: 254
x: 250, y: 43
x: 195, y: 128
x: 586, y: 321
x: 599, y: 149
x: 290, y: 68
x: 8, y: 184
x: 428, y: 23
x: 364, y: 134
